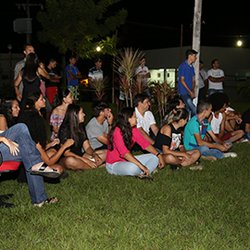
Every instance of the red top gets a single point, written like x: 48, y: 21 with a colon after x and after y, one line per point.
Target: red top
x: 117, y: 154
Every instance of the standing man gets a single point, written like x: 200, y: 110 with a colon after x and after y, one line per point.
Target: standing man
x: 28, y: 48
x: 216, y: 78
x: 202, y: 82
x: 52, y: 83
x: 145, y: 119
x: 142, y: 75
x: 186, y: 81
x: 72, y: 73
x: 96, y: 73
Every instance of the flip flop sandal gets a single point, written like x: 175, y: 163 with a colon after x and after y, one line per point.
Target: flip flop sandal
x: 52, y: 200
x: 145, y: 177
x: 50, y: 173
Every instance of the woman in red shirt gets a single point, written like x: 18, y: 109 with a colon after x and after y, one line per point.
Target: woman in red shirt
x: 122, y: 137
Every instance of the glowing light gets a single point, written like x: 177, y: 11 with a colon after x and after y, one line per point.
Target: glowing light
x: 98, y: 48
x: 239, y: 43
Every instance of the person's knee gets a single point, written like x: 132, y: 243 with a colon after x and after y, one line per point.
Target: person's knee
x: 22, y: 127
x: 203, y: 149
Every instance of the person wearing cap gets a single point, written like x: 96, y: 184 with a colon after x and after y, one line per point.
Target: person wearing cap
x: 186, y: 80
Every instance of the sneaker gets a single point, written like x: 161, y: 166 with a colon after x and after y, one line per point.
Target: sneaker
x: 39, y: 204
x: 244, y: 140
x: 230, y: 154
x: 196, y: 167
x: 208, y: 158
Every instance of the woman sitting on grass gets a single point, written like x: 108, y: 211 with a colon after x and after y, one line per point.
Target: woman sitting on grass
x: 58, y: 113
x: 169, y: 141
x: 81, y: 155
x: 8, y: 114
x: 122, y: 137
x: 34, y: 120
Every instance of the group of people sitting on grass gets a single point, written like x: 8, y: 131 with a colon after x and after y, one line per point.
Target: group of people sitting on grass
x: 130, y: 144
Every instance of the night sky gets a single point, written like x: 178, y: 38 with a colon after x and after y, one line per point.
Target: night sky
x: 154, y: 25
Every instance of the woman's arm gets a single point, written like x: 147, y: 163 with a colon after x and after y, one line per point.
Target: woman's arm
x: 50, y: 160
x: 3, y: 123
x: 91, y: 152
x: 129, y: 157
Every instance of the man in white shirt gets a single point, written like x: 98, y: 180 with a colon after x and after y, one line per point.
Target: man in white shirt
x: 142, y: 75
x: 145, y: 118
x: 28, y: 48
x: 216, y: 78
x: 96, y: 72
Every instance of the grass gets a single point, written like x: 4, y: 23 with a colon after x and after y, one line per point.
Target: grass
x: 183, y: 209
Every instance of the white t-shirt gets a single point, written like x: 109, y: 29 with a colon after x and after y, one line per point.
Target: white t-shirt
x: 144, y: 121
x: 216, y: 122
x: 142, y: 72
x: 217, y: 73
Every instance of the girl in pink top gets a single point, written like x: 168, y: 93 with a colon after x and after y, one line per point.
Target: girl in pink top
x: 122, y: 137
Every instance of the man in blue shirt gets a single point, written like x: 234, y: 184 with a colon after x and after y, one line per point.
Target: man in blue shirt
x: 72, y: 73
x: 186, y: 80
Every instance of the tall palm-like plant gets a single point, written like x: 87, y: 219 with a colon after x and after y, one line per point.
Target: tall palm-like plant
x: 99, y: 86
x: 162, y: 92
x: 125, y: 64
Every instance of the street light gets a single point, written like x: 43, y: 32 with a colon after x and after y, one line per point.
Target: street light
x: 239, y: 43
x: 98, y: 48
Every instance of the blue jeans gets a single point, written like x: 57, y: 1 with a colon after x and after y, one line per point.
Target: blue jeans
x: 206, y: 151
x: 29, y: 155
x: 191, y: 108
x: 247, y: 135
x: 128, y: 168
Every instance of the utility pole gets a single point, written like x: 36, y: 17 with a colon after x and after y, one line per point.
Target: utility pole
x: 26, y: 6
x: 196, y: 44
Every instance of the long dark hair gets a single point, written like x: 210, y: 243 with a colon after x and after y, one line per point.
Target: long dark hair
x: 34, y: 121
x: 123, y: 124
x: 6, y: 110
x: 30, y: 67
x: 71, y: 125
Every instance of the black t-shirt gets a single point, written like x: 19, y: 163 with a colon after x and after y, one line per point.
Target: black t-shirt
x: 36, y: 125
x: 76, y: 148
x: 172, y: 142
x: 48, y: 83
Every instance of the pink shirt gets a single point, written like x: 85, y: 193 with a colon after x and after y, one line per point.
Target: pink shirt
x: 117, y: 154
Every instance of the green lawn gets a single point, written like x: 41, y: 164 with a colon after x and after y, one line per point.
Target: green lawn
x: 183, y: 209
